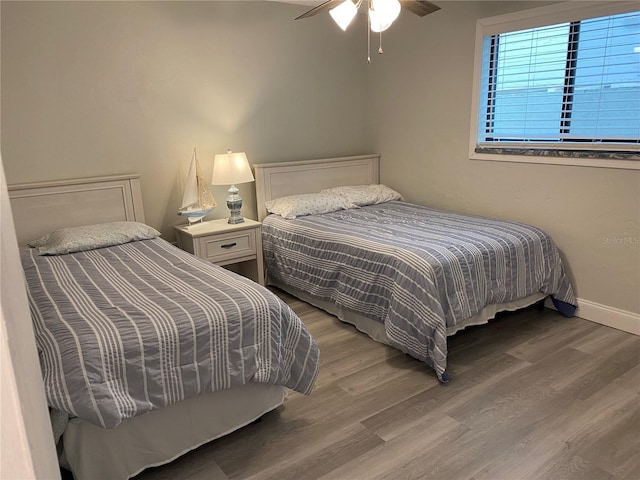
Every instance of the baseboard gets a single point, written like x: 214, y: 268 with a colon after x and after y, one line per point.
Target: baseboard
x: 606, y: 315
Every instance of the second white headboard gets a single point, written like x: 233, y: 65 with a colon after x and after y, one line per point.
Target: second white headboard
x: 274, y: 180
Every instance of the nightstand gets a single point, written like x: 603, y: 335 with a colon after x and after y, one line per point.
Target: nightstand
x: 236, y: 247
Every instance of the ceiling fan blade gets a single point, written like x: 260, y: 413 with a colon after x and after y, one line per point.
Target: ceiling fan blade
x: 323, y: 6
x: 419, y: 7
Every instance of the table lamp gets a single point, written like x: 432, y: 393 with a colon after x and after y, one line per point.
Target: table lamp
x: 232, y: 169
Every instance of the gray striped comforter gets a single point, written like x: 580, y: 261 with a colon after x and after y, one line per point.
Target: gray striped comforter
x: 422, y: 272
x: 132, y: 328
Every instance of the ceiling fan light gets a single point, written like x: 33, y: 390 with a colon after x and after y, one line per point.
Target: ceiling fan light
x: 344, y: 13
x: 382, y: 14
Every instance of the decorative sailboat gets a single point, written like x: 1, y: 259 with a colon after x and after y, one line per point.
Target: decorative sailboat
x: 197, y: 200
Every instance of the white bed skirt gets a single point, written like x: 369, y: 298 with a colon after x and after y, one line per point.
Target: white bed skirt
x: 161, y: 436
x: 376, y: 329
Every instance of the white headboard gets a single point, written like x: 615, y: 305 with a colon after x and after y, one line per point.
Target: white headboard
x: 275, y: 180
x: 39, y: 208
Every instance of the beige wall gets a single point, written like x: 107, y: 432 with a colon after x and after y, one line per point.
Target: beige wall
x: 95, y: 88
x: 420, y: 103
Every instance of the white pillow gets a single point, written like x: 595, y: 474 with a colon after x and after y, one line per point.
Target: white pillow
x: 294, y: 206
x: 89, y: 237
x: 362, y: 195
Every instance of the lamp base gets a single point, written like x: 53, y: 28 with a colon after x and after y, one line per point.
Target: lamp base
x: 233, y: 219
x: 234, y: 204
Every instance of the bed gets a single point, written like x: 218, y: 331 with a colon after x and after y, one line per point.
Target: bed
x: 407, y: 275
x: 147, y: 351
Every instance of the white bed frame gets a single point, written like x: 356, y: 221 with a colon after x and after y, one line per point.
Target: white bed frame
x: 275, y: 180
x: 159, y: 436
x: 41, y: 207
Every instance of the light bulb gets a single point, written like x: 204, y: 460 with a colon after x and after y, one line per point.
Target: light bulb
x: 382, y: 14
x: 344, y: 13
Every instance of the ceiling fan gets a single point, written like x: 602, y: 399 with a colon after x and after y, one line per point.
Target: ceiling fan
x: 381, y: 13
x: 419, y: 7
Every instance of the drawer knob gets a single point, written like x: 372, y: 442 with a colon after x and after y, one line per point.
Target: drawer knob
x: 228, y: 245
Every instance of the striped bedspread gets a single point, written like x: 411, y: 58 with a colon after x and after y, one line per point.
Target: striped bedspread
x: 132, y: 328
x: 422, y: 272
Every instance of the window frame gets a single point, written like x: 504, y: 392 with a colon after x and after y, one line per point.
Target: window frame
x: 594, y: 155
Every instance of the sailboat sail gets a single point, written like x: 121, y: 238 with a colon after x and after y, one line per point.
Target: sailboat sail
x: 197, y: 200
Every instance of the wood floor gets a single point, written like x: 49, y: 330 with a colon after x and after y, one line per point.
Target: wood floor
x: 534, y: 396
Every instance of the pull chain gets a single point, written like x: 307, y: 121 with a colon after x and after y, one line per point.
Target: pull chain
x: 380, y: 49
x: 368, y: 39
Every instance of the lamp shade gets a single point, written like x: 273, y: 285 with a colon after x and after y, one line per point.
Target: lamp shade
x: 382, y: 14
x: 344, y: 13
x: 231, y: 169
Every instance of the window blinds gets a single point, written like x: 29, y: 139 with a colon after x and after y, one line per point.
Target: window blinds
x: 576, y: 82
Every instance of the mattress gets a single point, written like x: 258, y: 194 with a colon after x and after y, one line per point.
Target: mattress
x: 420, y: 272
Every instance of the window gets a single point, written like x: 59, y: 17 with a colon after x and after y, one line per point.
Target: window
x: 568, y: 89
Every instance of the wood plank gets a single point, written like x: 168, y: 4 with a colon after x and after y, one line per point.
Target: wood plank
x: 401, y: 417
x: 315, y: 462
x: 396, y: 458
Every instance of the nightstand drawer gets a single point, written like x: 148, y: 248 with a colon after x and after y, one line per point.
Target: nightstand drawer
x: 229, y: 246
